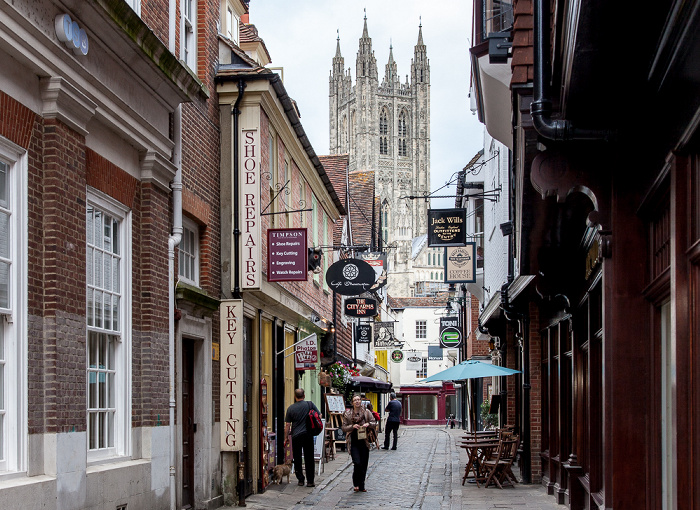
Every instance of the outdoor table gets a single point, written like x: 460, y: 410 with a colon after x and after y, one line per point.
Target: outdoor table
x: 474, y: 448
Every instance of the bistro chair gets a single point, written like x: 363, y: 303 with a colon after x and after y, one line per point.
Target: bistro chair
x: 499, y: 468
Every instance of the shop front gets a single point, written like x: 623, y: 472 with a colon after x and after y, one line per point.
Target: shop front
x: 427, y: 403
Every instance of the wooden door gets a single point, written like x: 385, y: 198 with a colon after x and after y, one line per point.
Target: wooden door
x: 188, y: 425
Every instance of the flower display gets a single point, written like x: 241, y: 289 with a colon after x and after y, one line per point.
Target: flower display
x: 340, y: 375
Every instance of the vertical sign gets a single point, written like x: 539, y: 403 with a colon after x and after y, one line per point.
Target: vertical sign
x: 232, y: 387
x: 460, y: 264
x: 286, y: 255
x: 250, y: 209
x: 450, y: 332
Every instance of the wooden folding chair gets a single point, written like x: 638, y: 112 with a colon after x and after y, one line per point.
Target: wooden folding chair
x: 498, y: 467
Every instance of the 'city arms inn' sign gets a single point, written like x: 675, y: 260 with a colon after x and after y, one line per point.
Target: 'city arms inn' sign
x: 447, y: 227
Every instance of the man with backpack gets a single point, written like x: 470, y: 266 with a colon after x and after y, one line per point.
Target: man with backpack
x: 302, y: 438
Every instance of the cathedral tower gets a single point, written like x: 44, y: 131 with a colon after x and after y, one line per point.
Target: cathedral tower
x: 385, y: 127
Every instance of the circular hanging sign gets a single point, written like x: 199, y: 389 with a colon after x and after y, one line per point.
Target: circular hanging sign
x: 350, y: 277
x: 450, y: 337
x: 397, y: 356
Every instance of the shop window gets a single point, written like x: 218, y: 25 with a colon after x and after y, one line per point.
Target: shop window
x: 422, y: 407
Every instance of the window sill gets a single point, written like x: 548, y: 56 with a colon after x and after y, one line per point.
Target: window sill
x: 186, y: 292
x: 113, y: 463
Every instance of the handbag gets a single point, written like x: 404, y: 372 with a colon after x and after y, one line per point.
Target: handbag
x: 362, y: 433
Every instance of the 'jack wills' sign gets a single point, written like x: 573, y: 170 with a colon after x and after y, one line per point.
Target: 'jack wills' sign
x: 250, y: 209
x: 447, y: 227
x: 232, y: 387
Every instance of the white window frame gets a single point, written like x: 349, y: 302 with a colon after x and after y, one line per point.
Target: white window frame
x: 189, y: 32
x: 123, y: 347
x: 232, y: 24
x: 190, y: 234
x: 135, y: 6
x: 13, y: 321
x: 421, y: 329
x: 423, y: 372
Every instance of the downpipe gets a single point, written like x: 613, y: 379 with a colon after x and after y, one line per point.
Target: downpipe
x: 173, y: 242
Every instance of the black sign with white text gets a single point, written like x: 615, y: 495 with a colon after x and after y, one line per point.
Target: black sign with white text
x: 447, y: 227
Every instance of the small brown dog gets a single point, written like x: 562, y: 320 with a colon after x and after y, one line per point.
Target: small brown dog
x: 281, y: 470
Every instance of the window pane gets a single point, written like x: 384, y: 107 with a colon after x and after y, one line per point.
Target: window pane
x: 92, y: 430
x: 4, y: 234
x: 4, y: 285
x: 2, y: 390
x: 4, y: 168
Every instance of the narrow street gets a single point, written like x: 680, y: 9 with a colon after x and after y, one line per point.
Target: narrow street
x: 424, y: 472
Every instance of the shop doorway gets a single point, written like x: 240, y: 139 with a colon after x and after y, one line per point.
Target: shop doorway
x: 187, y: 424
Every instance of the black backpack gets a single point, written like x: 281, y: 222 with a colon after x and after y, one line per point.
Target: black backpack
x: 314, y: 425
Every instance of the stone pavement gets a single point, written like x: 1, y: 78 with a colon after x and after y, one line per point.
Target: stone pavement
x: 425, y: 472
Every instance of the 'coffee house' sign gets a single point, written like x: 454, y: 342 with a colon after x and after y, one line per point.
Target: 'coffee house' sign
x: 447, y: 227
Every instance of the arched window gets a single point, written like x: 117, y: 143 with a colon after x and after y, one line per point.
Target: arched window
x: 431, y: 275
x: 384, y: 132
x: 403, y: 133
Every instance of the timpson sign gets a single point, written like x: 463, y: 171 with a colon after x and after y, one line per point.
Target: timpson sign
x: 250, y: 209
x: 231, y: 381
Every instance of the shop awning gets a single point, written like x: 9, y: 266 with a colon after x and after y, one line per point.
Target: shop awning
x: 362, y: 382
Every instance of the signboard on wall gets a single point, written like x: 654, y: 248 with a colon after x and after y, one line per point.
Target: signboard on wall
x: 360, y: 307
x: 447, y: 227
x: 286, y: 255
x: 350, y: 277
x: 414, y: 361
x: 434, y: 352
x: 460, y: 264
x: 363, y: 333
x: 383, y: 335
x: 249, y: 203
x: 306, y: 353
x: 232, y: 386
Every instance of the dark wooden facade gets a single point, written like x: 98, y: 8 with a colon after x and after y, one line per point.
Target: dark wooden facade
x: 609, y: 224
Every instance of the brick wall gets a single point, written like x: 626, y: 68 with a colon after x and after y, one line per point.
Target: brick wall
x: 535, y: 393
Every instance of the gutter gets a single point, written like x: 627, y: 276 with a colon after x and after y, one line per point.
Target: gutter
x: 541, y: 106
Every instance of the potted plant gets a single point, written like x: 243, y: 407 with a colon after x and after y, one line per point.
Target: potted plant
x: 490, y: 421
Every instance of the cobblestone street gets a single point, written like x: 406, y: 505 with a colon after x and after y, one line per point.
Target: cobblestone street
x: 425, y: 472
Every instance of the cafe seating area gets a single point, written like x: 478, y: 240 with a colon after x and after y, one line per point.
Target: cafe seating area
x: 490, y: 455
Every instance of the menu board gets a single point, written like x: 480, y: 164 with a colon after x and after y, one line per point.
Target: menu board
x: 335, y: 403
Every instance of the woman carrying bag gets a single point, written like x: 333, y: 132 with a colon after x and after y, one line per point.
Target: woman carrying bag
x: 356, y: 422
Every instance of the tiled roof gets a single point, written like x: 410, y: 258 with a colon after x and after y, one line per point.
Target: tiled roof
x: 337, y: 169
x: 249, y: 34
x: 360, y: 204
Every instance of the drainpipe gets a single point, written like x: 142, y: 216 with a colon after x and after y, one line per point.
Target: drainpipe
x: 236, y: 213
x: 173, y: 241
x: 541, y: 107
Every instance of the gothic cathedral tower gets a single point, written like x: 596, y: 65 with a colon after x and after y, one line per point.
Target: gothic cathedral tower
x: 385, y: 128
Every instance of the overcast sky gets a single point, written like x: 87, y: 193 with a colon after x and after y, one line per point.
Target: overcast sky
x: 301, y: 37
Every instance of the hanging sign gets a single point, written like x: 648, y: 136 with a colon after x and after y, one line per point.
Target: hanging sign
x: 447, y: 227
x: 434, y: 352
x: 414, y: 361
x: 450, y: 332
x: 360, y: 307
x: 350, y: 277
x: 397, y: 356
x: 383, y: 335
x: 250, y: 210
x: 460, y: 264
x: 376, y: 259
x: 286, y: 255
x: 232, y: 386
x: 306, y: 353
x: 363, y: 333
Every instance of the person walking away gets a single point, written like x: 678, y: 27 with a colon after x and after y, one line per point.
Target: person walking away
x: 302, y: 440
x: 392, y: 421
x: 356, y: 421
